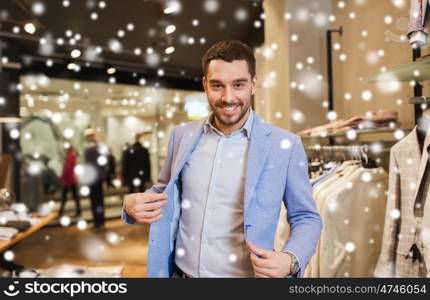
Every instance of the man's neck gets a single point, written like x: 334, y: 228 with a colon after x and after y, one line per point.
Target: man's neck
x: 229, y: 129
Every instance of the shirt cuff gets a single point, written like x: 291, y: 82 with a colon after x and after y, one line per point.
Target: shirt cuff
x: 127, y: 219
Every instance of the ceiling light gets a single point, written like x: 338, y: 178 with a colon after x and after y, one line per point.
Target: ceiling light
x: 172, y: 7
x: 170, y: 29
x: 30, y: 28
x: 38, y: 8
x: 71, y: 66
x: 75, y: 53
x: 169, y: 50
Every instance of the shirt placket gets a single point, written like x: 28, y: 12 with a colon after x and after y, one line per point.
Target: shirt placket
x: 205, y: 235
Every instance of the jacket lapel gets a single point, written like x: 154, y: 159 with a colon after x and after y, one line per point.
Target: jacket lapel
x: 257, y: 155
x: 423, y: 161
x: 188, y: 143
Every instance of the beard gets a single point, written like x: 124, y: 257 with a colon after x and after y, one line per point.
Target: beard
x: 229, y: 120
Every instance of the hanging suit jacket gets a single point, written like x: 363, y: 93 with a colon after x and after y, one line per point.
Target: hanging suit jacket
x: 419, y: 16
x: 407, y: 167
x: 320, y: 193
x: 353, y: 215
x: 276, y: 172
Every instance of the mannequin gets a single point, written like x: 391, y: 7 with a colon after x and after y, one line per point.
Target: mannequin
x: 419, y: 19
x: 405, y: 249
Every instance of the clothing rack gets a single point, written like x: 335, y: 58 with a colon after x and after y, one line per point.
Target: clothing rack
x: 343, y: 153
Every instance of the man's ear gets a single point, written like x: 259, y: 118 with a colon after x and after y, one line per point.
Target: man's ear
x: 204, y: 83
x: 254, y: 84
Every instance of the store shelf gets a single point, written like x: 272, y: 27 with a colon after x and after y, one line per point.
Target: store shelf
x: 358, y: 132
x: 415, y: 71
x: 43, y: 221
x: 419, y: 100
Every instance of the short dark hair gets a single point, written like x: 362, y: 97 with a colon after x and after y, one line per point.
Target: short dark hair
x: 228, y: 51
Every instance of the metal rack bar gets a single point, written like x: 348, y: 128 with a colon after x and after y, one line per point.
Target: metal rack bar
x: 419, y: 100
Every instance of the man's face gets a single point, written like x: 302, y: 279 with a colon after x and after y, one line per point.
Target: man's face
x: 91, y: 137
x: 229, y: 87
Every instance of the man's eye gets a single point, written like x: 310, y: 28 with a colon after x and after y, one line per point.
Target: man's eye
x: 216, y: 86
x: 239, y: 85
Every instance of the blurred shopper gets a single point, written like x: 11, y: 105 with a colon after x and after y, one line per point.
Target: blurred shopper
x: 136, y: 166
x: 70, y: 181
x: 92, y: 155
x: 111, y: 172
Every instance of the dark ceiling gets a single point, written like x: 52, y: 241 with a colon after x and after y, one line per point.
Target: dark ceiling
x: 95, y: 23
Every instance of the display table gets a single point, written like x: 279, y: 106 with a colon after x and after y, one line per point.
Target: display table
x: 43, y: 221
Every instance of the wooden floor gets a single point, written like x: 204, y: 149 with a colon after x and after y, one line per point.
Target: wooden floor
x: 120, y: 245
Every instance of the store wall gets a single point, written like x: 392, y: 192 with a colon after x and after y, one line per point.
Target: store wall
x: 291, y: 63
x: 372, y: 39
x: 293, y: 96
x: 272, y: 95
x: 308, y: 87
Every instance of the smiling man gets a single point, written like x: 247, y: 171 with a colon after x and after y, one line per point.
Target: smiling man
x: 215, y: 208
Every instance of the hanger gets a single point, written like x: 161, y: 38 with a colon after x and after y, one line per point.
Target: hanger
x: 367, y: 162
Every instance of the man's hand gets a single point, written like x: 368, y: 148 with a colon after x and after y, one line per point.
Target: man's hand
x: 268, y: 263
x: 145, y: 208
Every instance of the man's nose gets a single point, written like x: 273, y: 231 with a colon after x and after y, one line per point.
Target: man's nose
x: 228, y: 95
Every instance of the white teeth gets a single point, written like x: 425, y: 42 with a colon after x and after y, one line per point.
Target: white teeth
x: 229, y: 108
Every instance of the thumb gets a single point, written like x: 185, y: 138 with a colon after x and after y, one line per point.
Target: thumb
x: 257, y: 250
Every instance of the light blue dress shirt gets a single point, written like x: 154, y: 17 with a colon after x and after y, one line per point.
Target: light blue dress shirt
x: 211, y: 240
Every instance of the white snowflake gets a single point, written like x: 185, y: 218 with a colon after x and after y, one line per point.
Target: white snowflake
x: 350, y: 247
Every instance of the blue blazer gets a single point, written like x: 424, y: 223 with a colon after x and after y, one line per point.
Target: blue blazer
x: 277, y: 172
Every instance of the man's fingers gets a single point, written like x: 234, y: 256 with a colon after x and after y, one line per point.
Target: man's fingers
x: 260, y: 275
x: 154, y: 205
x: 148, y: 197
x: 148, y: 214
x: 258, y: 251
x: 263, y: 272
x: 259, y: 262
x: 149, y: 221
x: 148, y: 207
x: 155, y: 197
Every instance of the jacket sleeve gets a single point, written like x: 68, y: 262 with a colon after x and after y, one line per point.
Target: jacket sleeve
x: 302, y: 215
x: 163, y: 178
x: 386, y: 262
x: 417, y: 16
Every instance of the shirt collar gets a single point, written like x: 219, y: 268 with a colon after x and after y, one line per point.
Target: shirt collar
x: 246, y: 128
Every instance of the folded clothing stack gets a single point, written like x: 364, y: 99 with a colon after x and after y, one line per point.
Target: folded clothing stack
x: 20, y: 225
x: 372, y: 120
x: 7, y: 233
x: 11, y: 215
